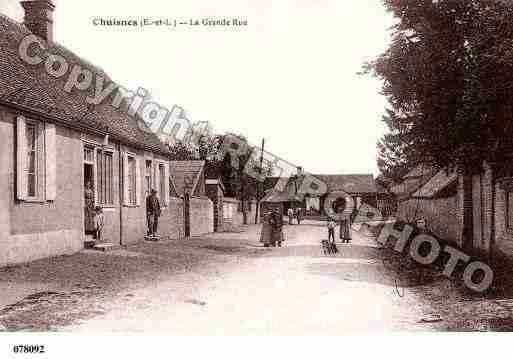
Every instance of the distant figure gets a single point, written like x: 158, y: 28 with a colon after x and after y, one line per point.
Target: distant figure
x: 89, y: 210
x: 331, y: 236
x: 290, y: 214
x: 298, y: 215
x: 267, y: 229
x: 99, y: 222
x: 152, y: 212
x: 331, y: 230
x: 345, y: 230
x: 277, y: 233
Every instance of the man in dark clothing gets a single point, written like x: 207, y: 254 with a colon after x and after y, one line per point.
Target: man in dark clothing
x: 152, y: 212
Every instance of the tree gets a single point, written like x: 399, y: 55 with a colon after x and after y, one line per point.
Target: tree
x: 448, y: 78
x: 180, y: 151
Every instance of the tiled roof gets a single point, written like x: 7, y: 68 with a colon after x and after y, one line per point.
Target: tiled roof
x: 31, y: 87
x: 351, y: 183
x: 275, y: 196
x: 185, y: 175
x: 415, y: 179
x: 436, y: 184
x: 421, y: 170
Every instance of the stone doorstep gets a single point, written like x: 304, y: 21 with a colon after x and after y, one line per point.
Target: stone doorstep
x: 105, y: 246
x: 156, y: 238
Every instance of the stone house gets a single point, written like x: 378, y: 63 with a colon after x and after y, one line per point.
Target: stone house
x: 53, y: 142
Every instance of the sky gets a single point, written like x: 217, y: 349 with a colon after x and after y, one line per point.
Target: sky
x: 290, y: 76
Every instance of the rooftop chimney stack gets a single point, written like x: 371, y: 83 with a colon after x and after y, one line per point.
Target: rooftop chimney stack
x: 39, y: 18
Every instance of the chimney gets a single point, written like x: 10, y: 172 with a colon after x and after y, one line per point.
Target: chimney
x: 39, y: 18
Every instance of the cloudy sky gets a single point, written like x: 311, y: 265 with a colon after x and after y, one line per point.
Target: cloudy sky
x: 289, y: 76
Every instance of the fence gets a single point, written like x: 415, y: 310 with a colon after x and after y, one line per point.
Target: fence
x: 440, y: 215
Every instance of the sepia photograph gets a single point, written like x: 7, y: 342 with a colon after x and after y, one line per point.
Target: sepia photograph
x: 255, y: 169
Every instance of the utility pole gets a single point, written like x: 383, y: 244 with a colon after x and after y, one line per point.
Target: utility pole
x: 259, y: 184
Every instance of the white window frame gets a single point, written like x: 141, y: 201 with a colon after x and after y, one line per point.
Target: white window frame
x: 148, y: 171
x: 37, y: 154
x: 127, y: 201
x: 97, y: 171
x: 45, y: 175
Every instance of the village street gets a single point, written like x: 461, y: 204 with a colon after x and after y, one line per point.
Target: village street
x: 227, y: 283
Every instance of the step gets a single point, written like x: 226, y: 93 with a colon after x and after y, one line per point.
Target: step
x: 154, y: 238
x: 104, y: 247
x: 89, y: 241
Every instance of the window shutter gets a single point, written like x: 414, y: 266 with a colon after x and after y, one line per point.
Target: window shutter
x: 95, y: 176
x: 157, y: 179
x: 50, y: 162
x: 21, y: 158
x: 166, y: 184
x: 138, y: 187
x: 126, y: 197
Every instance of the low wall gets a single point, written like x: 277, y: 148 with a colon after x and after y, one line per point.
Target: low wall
x: 440, y: 215
x: 202, y: 216
x: 232, y: 218
x: 171, y: 221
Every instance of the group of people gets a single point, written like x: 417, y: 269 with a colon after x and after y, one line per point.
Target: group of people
x: 272, y: 229
x: 294, y: 213
x: 345, y: 232
x: 95, y: 221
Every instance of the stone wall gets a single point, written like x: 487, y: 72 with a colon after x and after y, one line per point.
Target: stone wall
x: 171, y: 222
x: 232, y: 217
x: 202, y: 216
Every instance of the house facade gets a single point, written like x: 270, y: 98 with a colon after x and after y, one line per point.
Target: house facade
x: 54, y: 143
x: 474, y: 211
x: 360, y: 187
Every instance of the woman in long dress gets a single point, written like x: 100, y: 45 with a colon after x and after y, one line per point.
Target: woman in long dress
x: 345, y: 230
x: 277, y: 232
x: 89, y: 207
x: 267, y: 230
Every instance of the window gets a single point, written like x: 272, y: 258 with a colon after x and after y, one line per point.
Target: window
x: 162, y: 181
x: 36, y: 163
x: 31, y: 163
x: 147, y: 178
x: 132, y: 181
x: 89, y: 155
x: 104, y: 177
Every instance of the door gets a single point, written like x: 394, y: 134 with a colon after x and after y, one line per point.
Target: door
x: 187, y: 215
x: 89, y: 189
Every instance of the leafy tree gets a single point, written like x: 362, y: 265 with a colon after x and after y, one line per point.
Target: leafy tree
x: 180, y: 151
x: 448, y: 76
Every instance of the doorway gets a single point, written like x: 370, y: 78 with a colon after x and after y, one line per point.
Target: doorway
x: 89, y: 192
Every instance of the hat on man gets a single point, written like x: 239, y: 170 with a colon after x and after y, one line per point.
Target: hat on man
x: 153, y: 191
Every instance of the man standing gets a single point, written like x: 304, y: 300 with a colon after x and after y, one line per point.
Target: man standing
x: 290, y: 214
x: 152, y: 212
x: 298, y: 215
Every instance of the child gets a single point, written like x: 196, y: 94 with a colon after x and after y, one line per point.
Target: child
x: 331, y: 230
x: 99, y: 221
x: 331, y: 235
